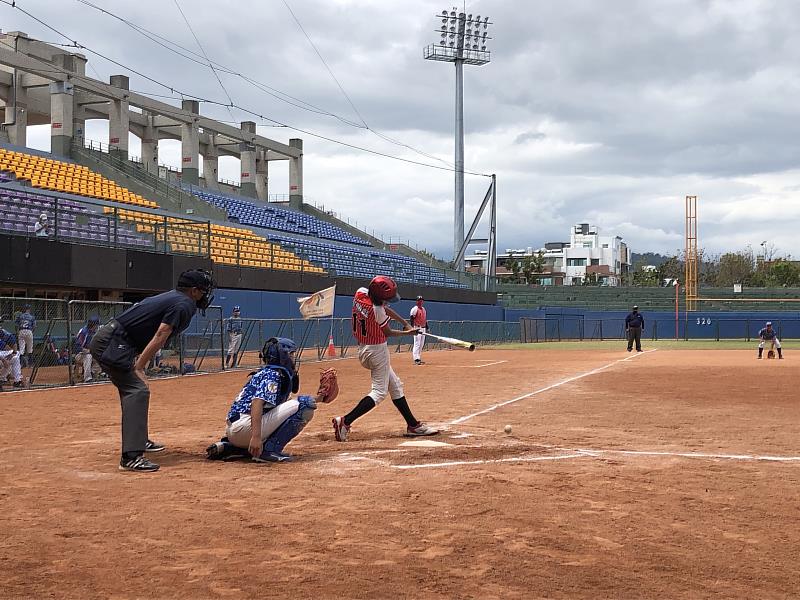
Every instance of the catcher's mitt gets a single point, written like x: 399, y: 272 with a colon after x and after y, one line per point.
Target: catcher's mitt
x: 771, y: 354
x: 328, y: 386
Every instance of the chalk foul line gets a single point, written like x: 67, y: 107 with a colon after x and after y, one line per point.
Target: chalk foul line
x: 547, y: 388
x: 599, y: 454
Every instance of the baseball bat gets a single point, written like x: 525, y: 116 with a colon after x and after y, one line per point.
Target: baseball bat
x: 453, y: 341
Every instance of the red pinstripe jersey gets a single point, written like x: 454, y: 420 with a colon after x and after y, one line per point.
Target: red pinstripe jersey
x: 368, y: 319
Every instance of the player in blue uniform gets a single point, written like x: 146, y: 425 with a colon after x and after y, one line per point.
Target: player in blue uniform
x: 769, y: 336
x: 26, y: 324
x: 83, y: 356
x: 263, y: 419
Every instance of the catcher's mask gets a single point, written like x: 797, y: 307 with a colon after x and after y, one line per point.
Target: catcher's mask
x: 279, y: 352
x: 202, y: 280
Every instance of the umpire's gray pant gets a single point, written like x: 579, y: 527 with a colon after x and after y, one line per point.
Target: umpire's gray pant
x: 134, y: 396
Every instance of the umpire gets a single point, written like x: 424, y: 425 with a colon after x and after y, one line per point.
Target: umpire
x: 142, y: 330
x: 634, y: 325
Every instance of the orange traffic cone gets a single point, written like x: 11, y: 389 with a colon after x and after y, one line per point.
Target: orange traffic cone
x: 331, y: 347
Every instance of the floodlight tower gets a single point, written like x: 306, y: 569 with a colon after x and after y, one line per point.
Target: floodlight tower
x: 463, y: 40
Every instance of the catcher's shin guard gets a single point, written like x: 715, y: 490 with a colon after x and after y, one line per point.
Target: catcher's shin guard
x: 291, y: 427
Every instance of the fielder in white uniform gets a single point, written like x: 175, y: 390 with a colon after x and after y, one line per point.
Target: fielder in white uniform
x: 419, y: 321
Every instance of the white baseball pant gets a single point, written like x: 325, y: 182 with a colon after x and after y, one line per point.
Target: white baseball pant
x: 10, y: 365
x: 764, y: 342
x: 419, y: 342
x: 234, y: 341
x: 25, y: 338
x: 240, y: 431
x: 85, y: 358
x: 375, y: 357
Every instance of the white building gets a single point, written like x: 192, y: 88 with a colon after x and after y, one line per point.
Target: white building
x: 590, y: 253
x: 587, y: 254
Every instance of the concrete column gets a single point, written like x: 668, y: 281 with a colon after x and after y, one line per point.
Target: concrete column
x: 78, y: 112
x: 296, y: 176
x: 211, y: 164
x: 18, y: 130
x: 150, y: 145
x: 119, y: 120
x: 61, y: 108
x: 16, y: 113
x: 248, y: 162
x: 190, y: 146
x: 262, y: 176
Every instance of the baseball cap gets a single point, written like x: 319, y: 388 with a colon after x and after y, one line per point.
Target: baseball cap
x: 420, y: 298
x: 196, y: 278
x: 236, y: 309
x: 635, y: 307
x: 769, y: 322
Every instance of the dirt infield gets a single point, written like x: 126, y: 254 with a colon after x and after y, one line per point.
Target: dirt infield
x: 671, y: 473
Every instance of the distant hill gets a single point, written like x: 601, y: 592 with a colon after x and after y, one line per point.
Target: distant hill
x: 649, y: 258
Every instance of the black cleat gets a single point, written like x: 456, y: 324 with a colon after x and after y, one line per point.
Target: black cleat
x: 140, y: 464
x: 152, y: 446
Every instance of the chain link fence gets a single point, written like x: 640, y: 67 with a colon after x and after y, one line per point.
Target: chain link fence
x: 60, y: 329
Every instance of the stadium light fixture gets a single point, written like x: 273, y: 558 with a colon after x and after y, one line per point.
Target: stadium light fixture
x: 463, y: 41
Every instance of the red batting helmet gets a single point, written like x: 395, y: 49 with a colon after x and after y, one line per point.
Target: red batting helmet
x: 383, y: 289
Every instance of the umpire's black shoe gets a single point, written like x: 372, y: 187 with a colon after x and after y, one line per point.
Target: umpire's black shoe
x: 139, y: 463
x: 152, y: 446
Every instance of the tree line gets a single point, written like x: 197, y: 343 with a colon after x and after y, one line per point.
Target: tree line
x: 722, y: 270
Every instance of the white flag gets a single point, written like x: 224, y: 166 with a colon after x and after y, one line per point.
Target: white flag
x: 318, y: 304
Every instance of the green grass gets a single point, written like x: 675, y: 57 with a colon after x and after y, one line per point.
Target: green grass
x: 646, y: 345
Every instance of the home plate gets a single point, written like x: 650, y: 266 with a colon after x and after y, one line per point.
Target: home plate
x: 425, y: 443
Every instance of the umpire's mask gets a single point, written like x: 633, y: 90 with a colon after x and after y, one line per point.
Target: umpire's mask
x: 202, y: 280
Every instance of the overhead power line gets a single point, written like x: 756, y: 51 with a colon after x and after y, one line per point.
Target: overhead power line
x: 174, y: 90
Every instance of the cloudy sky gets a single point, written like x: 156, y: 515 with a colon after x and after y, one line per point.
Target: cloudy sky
x: 600, y: 112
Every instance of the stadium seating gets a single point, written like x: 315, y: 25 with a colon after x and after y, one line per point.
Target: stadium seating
x: 19, y: 211
x: 271, y: 217
x: 229, y: 245
x: 364, y: 263
x: 67, y: 177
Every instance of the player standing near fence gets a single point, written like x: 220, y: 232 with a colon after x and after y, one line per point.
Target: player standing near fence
x: 26, y: 324
x: 9, y: 359
x: 634, y: 326
x: 371, y: 327
x: 142, y: 330
x: 769, y: 336
x: 234, y: 329
x: 419, y: 320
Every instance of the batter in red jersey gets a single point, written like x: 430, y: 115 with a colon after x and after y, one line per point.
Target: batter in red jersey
x: 371, y: 327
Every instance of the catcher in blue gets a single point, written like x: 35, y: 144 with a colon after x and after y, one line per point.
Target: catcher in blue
x: 264, y: 418
x: 769, y: 336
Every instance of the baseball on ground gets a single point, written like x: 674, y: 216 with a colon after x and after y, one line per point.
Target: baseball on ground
x: 507, y: 428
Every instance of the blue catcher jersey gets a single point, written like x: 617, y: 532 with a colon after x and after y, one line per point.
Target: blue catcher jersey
x: 269, y: 384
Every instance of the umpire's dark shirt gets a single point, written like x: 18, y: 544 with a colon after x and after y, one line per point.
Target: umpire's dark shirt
x: 141, y: 321
x: 634, y: 320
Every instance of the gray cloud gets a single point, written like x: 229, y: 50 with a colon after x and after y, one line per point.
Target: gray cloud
x: 587, y: 112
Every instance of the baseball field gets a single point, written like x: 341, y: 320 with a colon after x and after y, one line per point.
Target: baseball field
x: 672, y: 473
